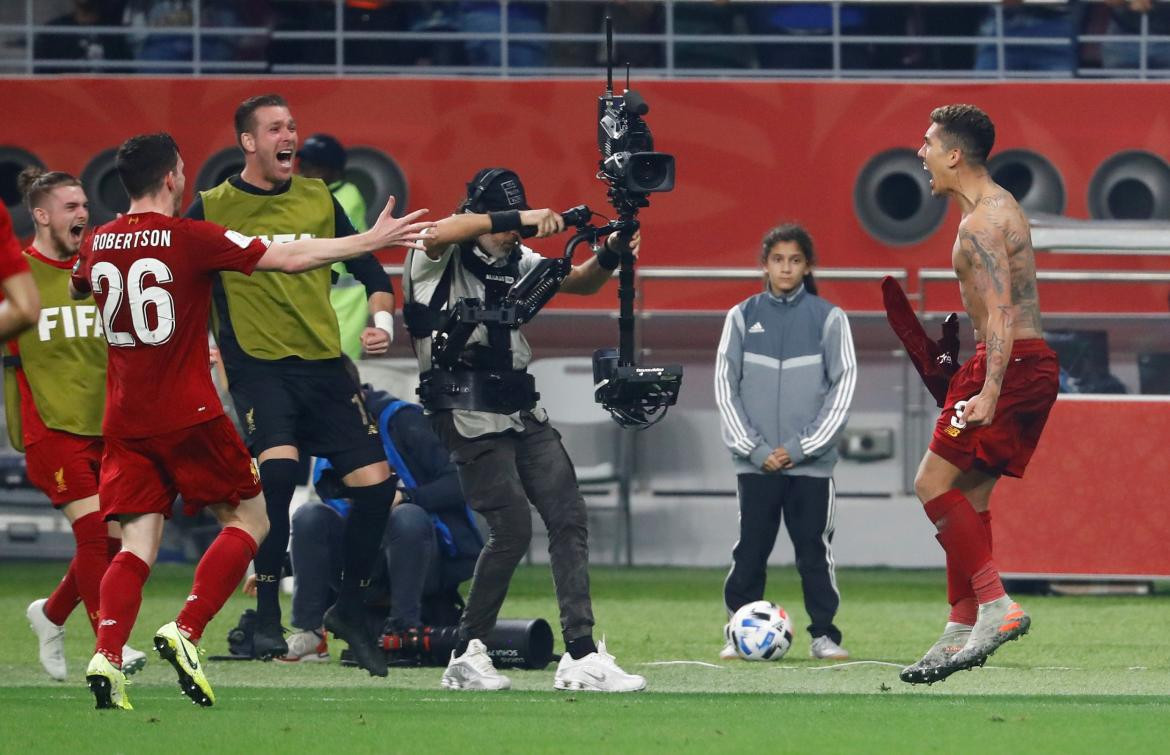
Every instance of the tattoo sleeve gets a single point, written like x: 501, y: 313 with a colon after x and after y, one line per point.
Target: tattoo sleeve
x: 991, y: 278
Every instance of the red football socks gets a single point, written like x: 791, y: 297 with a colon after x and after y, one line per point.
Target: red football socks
x: 63, y: 599
x: 113, y: 545
x: 217, y: 575
x: 960, y: 595
x: 84, y: 578
x: 964, y: 536
x: 959, y: 592
x: 90, y: 561
x: 121, y: 598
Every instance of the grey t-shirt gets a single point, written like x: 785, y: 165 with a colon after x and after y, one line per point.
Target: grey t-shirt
x: 420, y: 278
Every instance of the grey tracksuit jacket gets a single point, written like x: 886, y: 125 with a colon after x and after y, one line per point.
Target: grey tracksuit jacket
x: 784, y: 376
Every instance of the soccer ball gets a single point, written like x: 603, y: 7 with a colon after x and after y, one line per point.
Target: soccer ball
x: 760, y: 631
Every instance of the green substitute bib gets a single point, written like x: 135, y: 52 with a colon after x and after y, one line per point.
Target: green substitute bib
x: 278, y: 315
x: 63, y: 357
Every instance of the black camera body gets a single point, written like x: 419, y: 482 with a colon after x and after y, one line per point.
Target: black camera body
x: 629, y: 163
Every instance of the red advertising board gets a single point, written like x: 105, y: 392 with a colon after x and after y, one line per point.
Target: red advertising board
x: 1093, y: 501
x: 750, y: 154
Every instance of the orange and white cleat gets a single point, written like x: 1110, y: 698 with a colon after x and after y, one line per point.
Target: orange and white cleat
x: 998, y: 622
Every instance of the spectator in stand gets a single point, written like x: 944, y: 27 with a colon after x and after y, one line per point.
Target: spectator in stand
x: 1054, y: 22
x: 323, y: 157
x: 303, y: 15
x: 90, y: 50
x: 147, y: 45
x: 713, y: 18
x: 1125, y: 18
x: 382, y: 16
x: 587, y: 18
x: 806, y: 19
x: 931, y: 20
x: 485, y: 18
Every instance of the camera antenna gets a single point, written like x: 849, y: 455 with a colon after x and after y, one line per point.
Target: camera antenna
x: 609, y: 54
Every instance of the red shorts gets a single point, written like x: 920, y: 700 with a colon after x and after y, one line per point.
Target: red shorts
x: 1029, y: 390
x: 206, y: 464
x: 65, y: 466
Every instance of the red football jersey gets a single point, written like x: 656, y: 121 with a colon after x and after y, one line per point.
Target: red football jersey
x: 11, y: 260
x: 151, y: 276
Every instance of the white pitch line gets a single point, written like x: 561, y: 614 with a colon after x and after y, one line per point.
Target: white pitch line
x: 683, y: 663
x: 851, y: 663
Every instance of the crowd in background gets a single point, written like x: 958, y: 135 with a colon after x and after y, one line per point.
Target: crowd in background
x: 157, y: 34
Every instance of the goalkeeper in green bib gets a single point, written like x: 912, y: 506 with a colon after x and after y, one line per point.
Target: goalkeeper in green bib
x: 280, y: 344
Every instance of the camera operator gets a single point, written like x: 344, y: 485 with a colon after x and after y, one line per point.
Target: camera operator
x: 483, y: 406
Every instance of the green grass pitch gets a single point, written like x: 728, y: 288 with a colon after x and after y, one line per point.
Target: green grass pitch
x: 1092, y: 676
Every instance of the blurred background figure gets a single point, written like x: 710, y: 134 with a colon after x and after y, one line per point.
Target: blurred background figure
x: 802, y: 19
x: 587, y: 18
x: 485, y: 18
x: 323, y: 157
x: 1125, y: 18
x: 1055, y: 22
x: 714, y: 18
x: 148, y: 45
x: 90, y: 51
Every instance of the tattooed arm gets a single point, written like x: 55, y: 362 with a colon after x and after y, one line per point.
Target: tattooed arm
x: 985, y: 251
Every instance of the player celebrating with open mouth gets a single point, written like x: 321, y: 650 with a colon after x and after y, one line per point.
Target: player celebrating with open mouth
x: 996, y: 404
x: 166, y: 434
x: 55, y: 394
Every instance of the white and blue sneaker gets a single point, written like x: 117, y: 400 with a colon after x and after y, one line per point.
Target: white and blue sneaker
x: 596, y: 672
x: 474, y: 670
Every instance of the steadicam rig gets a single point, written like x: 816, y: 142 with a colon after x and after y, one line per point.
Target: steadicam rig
x: 634, y: 396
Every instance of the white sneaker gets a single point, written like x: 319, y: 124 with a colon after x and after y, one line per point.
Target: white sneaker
x: 133, y: 660
x: 728, y: 652
x: 825, y: 649
x: 474, y: 670
x: 306, y: 647
x: 596, y: 672
x: 51, y: 638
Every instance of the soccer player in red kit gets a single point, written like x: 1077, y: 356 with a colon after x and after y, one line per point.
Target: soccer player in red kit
x: 54, y: 405
x: 165, y: 430
x: 21, y: 305
x: 998, y: 401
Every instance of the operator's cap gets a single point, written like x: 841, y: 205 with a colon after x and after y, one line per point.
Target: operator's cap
x: 323, y: 150
x: 495, y: 190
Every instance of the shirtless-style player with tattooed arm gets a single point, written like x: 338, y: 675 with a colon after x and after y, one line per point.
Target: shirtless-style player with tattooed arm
x: 998, y: 401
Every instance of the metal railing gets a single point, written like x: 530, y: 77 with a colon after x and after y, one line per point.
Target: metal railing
x: 839, y: 38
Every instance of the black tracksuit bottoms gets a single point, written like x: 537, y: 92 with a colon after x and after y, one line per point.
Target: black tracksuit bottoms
x: 807, y: 507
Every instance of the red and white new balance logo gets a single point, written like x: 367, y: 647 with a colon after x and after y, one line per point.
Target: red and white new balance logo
x: 108, y: 623
x: 192, y: 597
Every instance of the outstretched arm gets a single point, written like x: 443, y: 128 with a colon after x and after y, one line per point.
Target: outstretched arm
x: 309, y: 254
x: 465, y: 226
